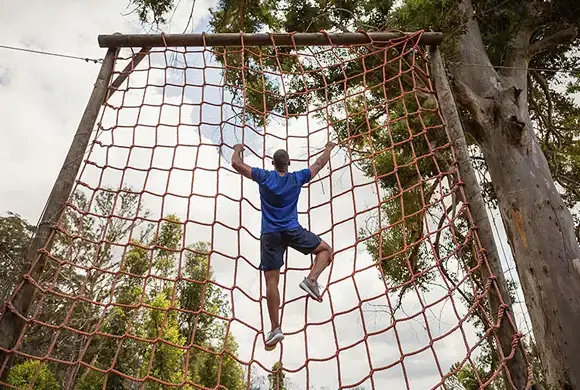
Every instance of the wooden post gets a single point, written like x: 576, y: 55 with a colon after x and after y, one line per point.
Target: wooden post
x: 15, y: 311
x: 506, y: 332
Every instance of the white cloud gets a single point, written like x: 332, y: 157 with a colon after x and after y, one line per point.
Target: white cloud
x: 42, y: 99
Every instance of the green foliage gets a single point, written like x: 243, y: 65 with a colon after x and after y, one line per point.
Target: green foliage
x: 555, y: 115
x: 201, y: 299
x: 169, y: 242
x: 166, y: 330
x: 432, y: 15
x: 32, y: 372
x: 277, y: 377
x: 163, y: 360
x: 402, y: 164
x: 152, y: 11
x: 467, y: 377
x: 208, y: 364
x: 243, y: 15
x: 558, y: 121
x: 471, y: 376
x: 15, y: 235
x: 92, y: 380
x: 160, y: 315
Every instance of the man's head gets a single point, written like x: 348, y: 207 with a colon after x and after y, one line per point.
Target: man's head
x: 281, y: 160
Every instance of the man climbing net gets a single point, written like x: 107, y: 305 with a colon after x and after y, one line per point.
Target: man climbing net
x: 279, y: 193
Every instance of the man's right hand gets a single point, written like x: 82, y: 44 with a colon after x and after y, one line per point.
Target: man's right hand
x: 322, y: 159
x: 238, y: 162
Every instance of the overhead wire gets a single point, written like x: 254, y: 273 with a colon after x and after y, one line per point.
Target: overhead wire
x: 100, y: 60
x: 86, y: 59
x: 556, y: 70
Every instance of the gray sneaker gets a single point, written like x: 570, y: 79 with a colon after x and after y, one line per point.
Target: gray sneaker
x: 273, y: 338
x: 312, y: 288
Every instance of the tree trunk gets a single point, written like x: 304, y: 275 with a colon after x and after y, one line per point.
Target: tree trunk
x: 538, y: 224
x: 541, y: 235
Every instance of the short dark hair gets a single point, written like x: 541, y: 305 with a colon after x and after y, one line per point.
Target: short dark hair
x: 281, y: 159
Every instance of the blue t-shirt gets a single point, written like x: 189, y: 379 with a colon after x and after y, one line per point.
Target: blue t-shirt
x: 279, y: 198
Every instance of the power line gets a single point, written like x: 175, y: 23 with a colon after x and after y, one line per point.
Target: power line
x: 514, y: 67
x: 86, y: 59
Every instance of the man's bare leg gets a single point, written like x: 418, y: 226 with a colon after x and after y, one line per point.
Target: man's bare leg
x: 322, y: 260
x: 273, y: 297
x: 273, y: 300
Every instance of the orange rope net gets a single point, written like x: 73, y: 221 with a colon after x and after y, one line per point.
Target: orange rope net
x: 152, y: 280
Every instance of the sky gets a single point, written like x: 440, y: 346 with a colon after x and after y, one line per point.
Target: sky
x: 42, y: 99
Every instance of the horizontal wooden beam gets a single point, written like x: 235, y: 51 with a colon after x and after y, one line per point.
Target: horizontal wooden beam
x: 235, y: 39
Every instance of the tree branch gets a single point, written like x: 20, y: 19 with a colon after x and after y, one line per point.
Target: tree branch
x: 341, y: 27
x: 399, y: 301
x: 547, y: 119
x: 471, y: 50
x: 569, y: 184
x: 477, y: 158
x: 562, y: 37
x: 544, y: 85
x: 450, y: 177
x: 439, y: 230
x: 468, y: 99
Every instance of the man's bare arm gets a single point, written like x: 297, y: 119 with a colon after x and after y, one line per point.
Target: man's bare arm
x: 238, y: 163
x: 322, y: 160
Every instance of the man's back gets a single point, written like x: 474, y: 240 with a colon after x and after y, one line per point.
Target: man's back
x: 279, y: 197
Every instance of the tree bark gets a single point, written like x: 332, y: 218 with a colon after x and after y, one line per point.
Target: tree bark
x: 538, y: 224
x: 540, y: 232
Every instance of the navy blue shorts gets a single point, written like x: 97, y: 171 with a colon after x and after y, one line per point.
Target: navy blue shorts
x: 273, y: 246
